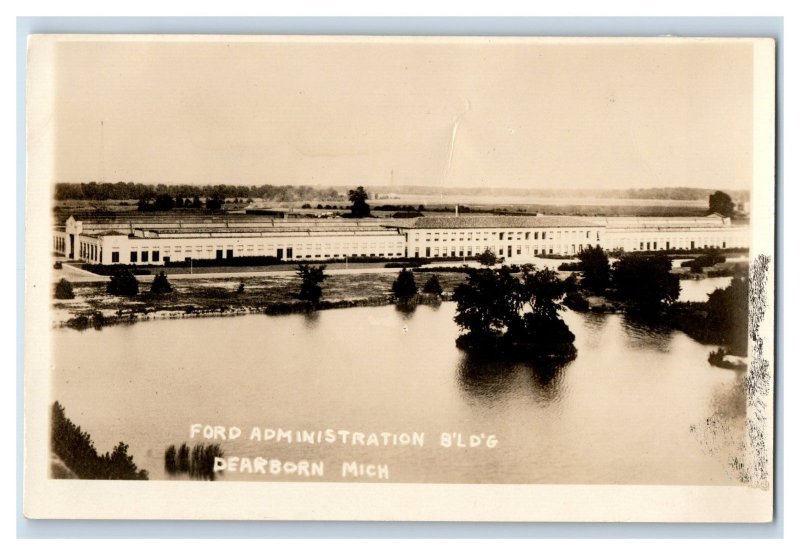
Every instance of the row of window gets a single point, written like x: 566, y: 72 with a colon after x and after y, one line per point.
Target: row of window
x: 673, y: 244
x: 503, y: 235
x: 646, y: 245
x: 145, y: 257
x: 510, y: 250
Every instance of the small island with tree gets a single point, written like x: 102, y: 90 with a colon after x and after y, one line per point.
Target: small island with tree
x: 514, y: 316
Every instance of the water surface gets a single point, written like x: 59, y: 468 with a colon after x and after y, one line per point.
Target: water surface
x: 621, y: 412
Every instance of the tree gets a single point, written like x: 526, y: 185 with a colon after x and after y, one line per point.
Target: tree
x: 163, y: 203
x: 160, y: 284
x: 311, y: 277
x: 513, y: 317
x: 432, y: 286
x: 487, y: 257
x: 646, y: 281
x: 214, y: 202
x: 721, y: 204
x: 596, y: 269
x: 123, y: 283
x: 487, y: 303
x: 405, y: 286
x: 64, y: 290
x: 727, y: 311
x: 359, y: 208
x: 76, y: 450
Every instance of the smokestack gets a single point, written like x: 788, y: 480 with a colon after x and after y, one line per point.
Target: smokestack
x: 456, y: 210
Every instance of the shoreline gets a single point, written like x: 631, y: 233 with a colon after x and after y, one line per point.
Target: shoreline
x: 98, y: 320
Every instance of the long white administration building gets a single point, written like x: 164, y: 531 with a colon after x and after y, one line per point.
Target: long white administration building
x: 147, y: 239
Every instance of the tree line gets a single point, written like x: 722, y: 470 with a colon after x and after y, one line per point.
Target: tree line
x: 76, y: 449
x: 130, y: 190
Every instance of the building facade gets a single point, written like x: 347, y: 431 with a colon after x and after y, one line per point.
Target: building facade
x: 160, y: 239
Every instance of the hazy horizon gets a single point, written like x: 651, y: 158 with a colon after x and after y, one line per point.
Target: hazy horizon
x: 562, y: 115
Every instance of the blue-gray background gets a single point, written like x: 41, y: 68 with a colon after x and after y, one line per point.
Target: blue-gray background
x: 497, y: 26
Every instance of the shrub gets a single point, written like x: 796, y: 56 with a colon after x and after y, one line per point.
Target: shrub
x: 432, y: 286
x: 507, y: 316
x: 311, y: 278
x: 596, y: 269
x: 570, y: 267
x: 123, y: 283
x: 576, y: 302
x: 405, y: 286
x: 77, y: 451
x: 487, y: 258
x: 58, y: 265
x: 406, y: 264
x: 161, y: 284
x: 64, y: 290
x: 646, y: 281
x: 703, y: 261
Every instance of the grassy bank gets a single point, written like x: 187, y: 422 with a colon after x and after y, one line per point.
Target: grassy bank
x: 93, y: 307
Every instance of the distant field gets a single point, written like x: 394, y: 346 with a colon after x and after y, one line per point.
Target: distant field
x: 476, y: 204
x: 495, y: 200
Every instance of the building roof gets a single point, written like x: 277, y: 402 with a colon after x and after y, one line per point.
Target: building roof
x: 465, y: 222
x: 104, y: 233
x: 674, y: 222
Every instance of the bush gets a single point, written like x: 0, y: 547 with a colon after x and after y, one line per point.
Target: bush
x: 311, y: 278
x: 407, y: 264
x: 58, y: 265
x: 405, y: 286
x: 64, y: 290
x: 570, y: 267
x: 161, y: 284
x: 596, y: 269
x: 432, y: 286
x: 123, y: 283
x: 77, y: 451
x: 646, y: 281
x: 703, y: 261
x: 576, y: 302
x: 507, y: 316
x: 487, y: 258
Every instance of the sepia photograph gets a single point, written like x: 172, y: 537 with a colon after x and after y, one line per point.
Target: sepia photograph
x: 418, y: 278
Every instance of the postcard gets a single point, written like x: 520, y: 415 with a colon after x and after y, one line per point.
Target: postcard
x: 400, y: 278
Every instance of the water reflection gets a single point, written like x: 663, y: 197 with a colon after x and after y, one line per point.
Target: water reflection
x: 594, y: 321
x: 491, y: 380
x: 548, y: 381
x: 646, y: 333
x: 406, y: 309
x: 310, y: 319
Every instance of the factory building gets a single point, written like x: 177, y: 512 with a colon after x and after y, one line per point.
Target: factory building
x: 658, y: 234
x: 147, y: 239
x: 512, y: 237
x: 157, y: 241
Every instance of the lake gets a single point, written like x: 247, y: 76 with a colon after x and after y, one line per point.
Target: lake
x: 622, y: 412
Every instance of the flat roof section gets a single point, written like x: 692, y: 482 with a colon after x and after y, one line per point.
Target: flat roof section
x: 470, y: 222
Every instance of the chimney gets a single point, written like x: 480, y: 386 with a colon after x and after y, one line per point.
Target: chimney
x: 456, y: 210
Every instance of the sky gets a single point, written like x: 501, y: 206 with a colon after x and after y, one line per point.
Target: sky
x: 447, y: 113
